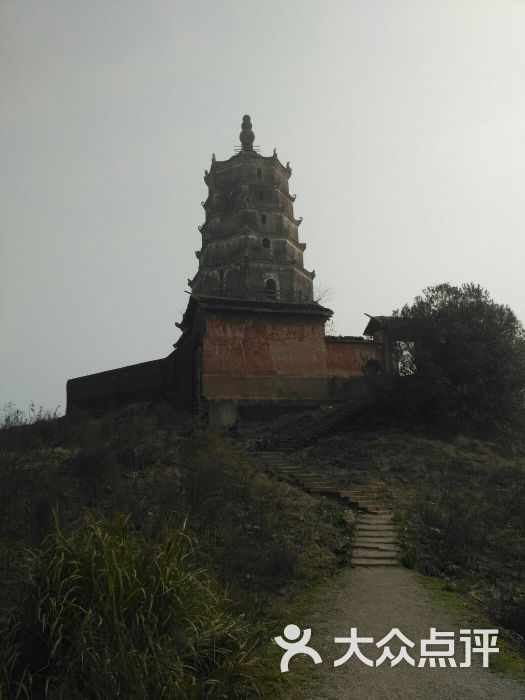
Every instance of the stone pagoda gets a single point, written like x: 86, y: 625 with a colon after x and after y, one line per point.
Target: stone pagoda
x: 250, y: 242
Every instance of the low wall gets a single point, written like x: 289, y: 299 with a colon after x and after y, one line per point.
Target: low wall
x: 146, y: 381
x: 350, y: 357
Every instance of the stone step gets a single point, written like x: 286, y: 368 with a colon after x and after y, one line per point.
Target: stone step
x: 316, y: 482
x: 365, y: 549
x: 314, y: 478
x: 322, y: 489
x: 357, y: 494
x: 374, y: 553
x: 365, y: 540
x: 383, y: 535
x: 269, y: 456
x: 320, y: 484
x: 375, y: 520
x: 363, y: 561
x: 368, y: 509
x: 391, y: 534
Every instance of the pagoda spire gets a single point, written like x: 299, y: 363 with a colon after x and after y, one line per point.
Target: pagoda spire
x: 247, y: 137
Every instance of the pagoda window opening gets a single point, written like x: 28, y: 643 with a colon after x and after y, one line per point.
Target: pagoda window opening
x: 261, y: 194
x: 265, y: 242
x: 259, y: 174
x: 271, y: 288
x: 263, y: 218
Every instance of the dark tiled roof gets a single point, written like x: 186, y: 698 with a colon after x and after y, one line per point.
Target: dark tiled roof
x: 256, y: 305
x: 347, y: 339
x: 399, y: 326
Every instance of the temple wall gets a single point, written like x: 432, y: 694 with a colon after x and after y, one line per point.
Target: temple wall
x: 238, y: 357
x: 146, y: 381
x: 263, y: 356
x: 350, y: 358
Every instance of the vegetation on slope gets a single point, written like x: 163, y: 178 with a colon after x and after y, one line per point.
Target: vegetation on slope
x: 106, y: 612
x: 82, y: 608
x: 460, y: 505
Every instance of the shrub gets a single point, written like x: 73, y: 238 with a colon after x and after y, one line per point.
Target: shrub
x: 469, y: 357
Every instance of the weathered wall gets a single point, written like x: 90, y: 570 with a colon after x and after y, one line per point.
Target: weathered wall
x: 349, y: 358
x: 242, y: 356
x: 264, y: 356
x: 146, y: 381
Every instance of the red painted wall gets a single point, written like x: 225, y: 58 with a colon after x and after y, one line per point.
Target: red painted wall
x: 239, y: 350
x: 348, y: 359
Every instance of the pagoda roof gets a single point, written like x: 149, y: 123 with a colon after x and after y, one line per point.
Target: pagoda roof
x: 272, y: 306
x: 394, y: 325
x: 218, y: 165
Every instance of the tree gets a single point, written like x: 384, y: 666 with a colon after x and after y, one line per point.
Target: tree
x: 469, y: 357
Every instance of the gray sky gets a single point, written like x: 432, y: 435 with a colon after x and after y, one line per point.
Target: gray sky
x: 404, y: 123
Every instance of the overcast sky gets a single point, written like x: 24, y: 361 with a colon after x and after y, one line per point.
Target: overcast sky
x: 404, y: 122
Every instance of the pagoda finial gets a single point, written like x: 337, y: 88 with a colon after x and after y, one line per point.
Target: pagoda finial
x: 247, y: 137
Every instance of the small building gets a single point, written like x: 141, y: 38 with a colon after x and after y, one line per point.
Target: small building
x: 252, y: 337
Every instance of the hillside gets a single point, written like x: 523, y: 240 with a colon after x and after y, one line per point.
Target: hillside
x: 260, y: 539
x: 458, y: 503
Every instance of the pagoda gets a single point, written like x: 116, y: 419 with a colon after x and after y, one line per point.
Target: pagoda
x: 252, y: 337
x: 250, y: 240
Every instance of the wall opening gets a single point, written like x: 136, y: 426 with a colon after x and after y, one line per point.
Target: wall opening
x: 265, y: 242
x: 271, y: 288
x: 263, y: 218
x: 259, y: 174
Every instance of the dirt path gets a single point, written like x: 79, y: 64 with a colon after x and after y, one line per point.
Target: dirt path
x: 375, y: 600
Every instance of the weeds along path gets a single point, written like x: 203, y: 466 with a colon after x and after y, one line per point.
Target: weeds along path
x: 375, y: 600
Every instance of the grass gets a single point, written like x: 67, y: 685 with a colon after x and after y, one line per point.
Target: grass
x: 507, y: 661
x: 106, y: 612
x: 459, y: 504
x: 259, y: 540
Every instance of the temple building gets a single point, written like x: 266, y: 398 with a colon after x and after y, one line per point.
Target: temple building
x: 252, y: 337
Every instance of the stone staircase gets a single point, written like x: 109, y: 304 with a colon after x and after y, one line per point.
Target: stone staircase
x: 315, y: 426
x: 375, y: 536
